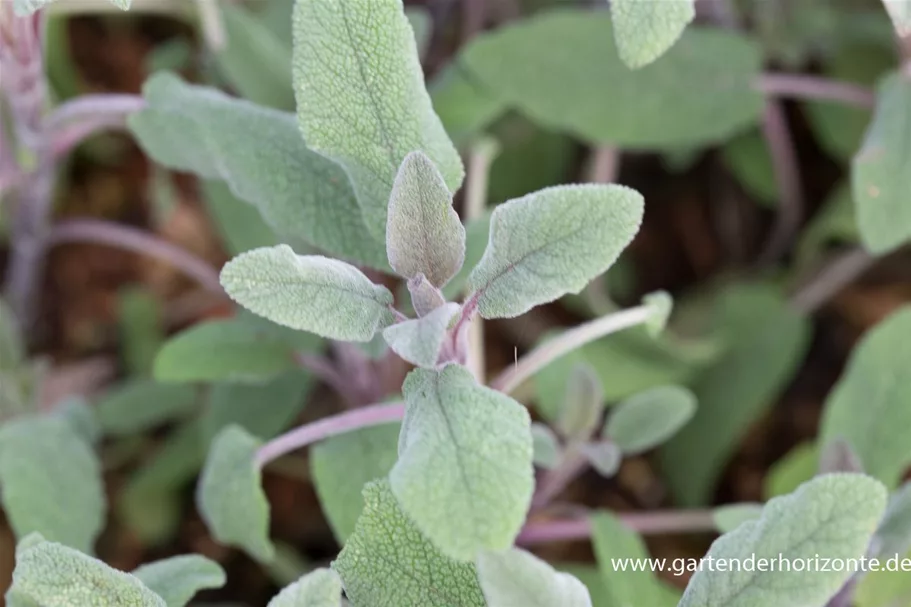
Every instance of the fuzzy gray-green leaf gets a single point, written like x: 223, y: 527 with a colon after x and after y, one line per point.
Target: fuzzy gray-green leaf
x: 729, y: 517
x: 378, y: 563
x: 550, y: 243
x: 645, y: 29
x: 419, y: 340
x: 583, y: 404
x: 881, y: 170
x: 361, y: 99
x: 50, y: 482
x: 229, y: 495
x: 179, y: 578
x: 319, y: 588
x: 645, y: 420
x: 900, y: 13
x: 546, y: 446
x: 139, y: 405
x: 832, y: 516
x: 260, y: 154
x: 308, y: 293
x: 27, y: 7
x: 516, y: 577
x: 424, y: 234
x: 464, y: 474
x: 870, y: 405
x: 52, y: 575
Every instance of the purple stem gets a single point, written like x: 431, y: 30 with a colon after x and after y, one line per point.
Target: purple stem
x: 801, y: 86
x: 553, y: 482
x: 787, y: 177
x: 93, y: 107
x: 646, y: 523
x: 131, y: 239
x: 302, y: 436
x: 325, y: 371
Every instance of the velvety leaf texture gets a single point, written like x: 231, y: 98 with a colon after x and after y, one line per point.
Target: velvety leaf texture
x: 179, y: 578
x: 550, y: 243
x: 870, y: 406
x: 832, y: 516
x: 139, y: 405
x: 53, y: 575
x: 645, y: 420
x: 516, y: 577
x: 893, y: 537
x: 304, y: 197
x: 342, y: 465
x: 545, y: 445
x: 464, y: 474
x: 388, y: 563
x: 567, y: 83
x: 419, y: 340
x: 230, y: 497
x: 361, y: 98
x: 27, y: 7
x: 645, y: 29
x: 309, y: 293
x: 424, y: 234
x: 881, y: 170
x: 320, y: 588
x: 50, y: 482
x: 583, y: 403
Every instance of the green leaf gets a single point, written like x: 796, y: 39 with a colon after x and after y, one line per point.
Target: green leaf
x: 893, y: 536
x: 832, y: 516
x: 869, y: 406
x: 224, y: 350
x: 347, y: 113
x: 645, y: 29
x: 308, y: 293
x: 660, y: 305
x: 884, y: 588
x: 424, y: 234
x: 727, y: 518
x: 477, y: 233
x: 551, y: 243
x: 263, y: 410
x: 516, y: 577
x: 254, y: 60
x: 418, y: 341
x: 648, y: 419
x: 834, y: 223
x: 545, y: 446
x: 179, y: 578
x: 139, y: 405
x: 80, y: 417
x: 52, y: 575
x: 879, y: 171
x: 799, y: 465
x: 239, y: 224
x: 342, y: 465
x: 230, y: 497
x: 583, y: 404
x: 464, y: 474
x: 747, y: 157
x: 604, y: 456
x: 465, y: 106
x: 320, y: 588
x: 900, y: 13
x: 425, y: 298
x: 50, y: 482
x: 566, y: 84
x: 378, y: 564
x: 141, y: 330
x: 23, y: 8
x: 260, y: 154
x: 766, y: 340
x: 422, y: 23
x: 12, y: 350
x: 614, y: 541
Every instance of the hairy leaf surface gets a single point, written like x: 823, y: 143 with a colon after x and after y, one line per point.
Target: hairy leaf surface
x: 516, y: 577
x: 646, y: 29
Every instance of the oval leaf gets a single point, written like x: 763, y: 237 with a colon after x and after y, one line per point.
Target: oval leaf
x: 546, y: 446
x: 645, y: 420
x: 727, y: 518
x: 464, y: 474
x: 139, y: 405
x: 179, y: 578
x: 645, y: 29
x: 550, y: 243
x: 583, y: 404
x: 308, y: 292
x: 419, y: 340
x: 320, y: 588
x: 516, y: 577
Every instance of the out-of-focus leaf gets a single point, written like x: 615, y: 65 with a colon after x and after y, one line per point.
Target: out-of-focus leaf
x: 139, y: 405
x: 27, y: 7
x: 422, y: 24
x: 583, y: 404
x: 870, y: 406
x: 567, y: 83
x: 342, y: 465
x: 545, y: 445
x: 796, y: 467
x: 604, y: 456
x: 893, y: 536
x: 465, y: 106
x: 884, y: 588
x: 647, y: 419
x: 50, y: 482
x: 766, y: 341
x: 140, y: 329
x: 727, y: 518
x: 747, y: 157
x: 644, y: 29
x: 834, y: 223
x: 179, y: 578
x: 900, y: 13
x: 516, y: 577
x: 12, y: 350
x: 240, y: 225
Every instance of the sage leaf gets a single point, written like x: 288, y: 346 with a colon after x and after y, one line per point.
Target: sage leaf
x: 304, y: 197
x: 141, y: 329
x: 342, y: 465
x: 229, y: 495
x: 660, y: 305
x: 53, y: 575
x: 424, y: 234
x: 425, y: 298
x: 832, y: 515
x: 880, y: 168
x: 869, y: 405
x: 566, y: 84
x: 604, y: 456
x: 727, y: 518
x: 377, y: 565
x: 516, y: 577
x: 893, y: 536
x: 799, y: 465
x: 748, y: 158
x: 23, y: 8
x: 900, y: 13
x: 240, y: 225
x: 319, y: 588
x: 50, y: 482
x: 465, y: 106
x: 139, y: 405
x: 582, y: 405
x: 839, y: 456
x: 545, y: 446
x: 12, y: 349
x: 464, y: 473
x: 644, y: 29
x: 550, y: 243
x: 309, y: 293
x: 179, y: 578
x: 365, y: 123
x: 646, y: 420
x: 418, y: 341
